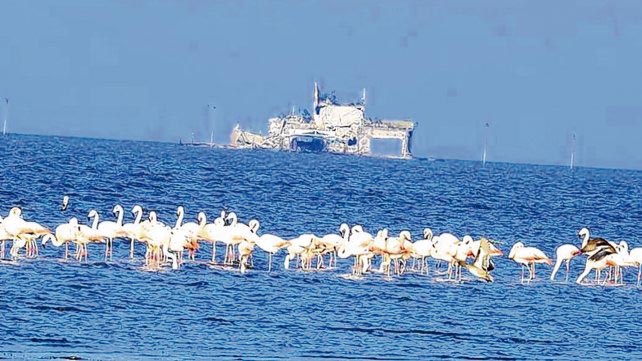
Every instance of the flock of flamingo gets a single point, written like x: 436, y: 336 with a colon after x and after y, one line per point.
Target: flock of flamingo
x: 167, y: 245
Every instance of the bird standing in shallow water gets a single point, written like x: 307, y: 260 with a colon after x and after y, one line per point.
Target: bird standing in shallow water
x: 528, y: 257
x: 565, y: 252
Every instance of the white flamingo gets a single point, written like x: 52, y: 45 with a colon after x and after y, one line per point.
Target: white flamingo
x: 65, y: 233
x: 211, y: 232
x: 134, y: 229
x: 23, y: 233
x: 422, y: 249
x: 111, y: 230
x: 528, y: 257
x: 565, y: 252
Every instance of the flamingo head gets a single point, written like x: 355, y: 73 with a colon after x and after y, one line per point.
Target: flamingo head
x: 179, y: 210
x: 201, y: 217
x: 344, y: 228
x: 517, y: 246
x: 427, y: 233
x: 117, y: 208
x: 583, y: 233
x: 15, y: 211
x: 230, y: 217
x: 254, y: 225
x: 92, y: 213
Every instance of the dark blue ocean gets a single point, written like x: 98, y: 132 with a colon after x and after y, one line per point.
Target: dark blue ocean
x: 117, y: 310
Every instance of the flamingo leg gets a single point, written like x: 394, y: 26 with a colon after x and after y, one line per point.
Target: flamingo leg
x: 533, y: 272
x: 269, y: 262
x: 213, y: 252
x: 131, y: 249
x: 522, y: 279
x: 639, y: 273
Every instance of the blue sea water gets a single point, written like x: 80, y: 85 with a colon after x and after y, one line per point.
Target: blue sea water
x: 117, y: 310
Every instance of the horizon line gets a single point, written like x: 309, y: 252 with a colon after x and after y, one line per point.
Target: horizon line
x: 427, y: 157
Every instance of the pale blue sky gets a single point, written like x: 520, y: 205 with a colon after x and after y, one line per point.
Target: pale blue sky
x: 536, y: 70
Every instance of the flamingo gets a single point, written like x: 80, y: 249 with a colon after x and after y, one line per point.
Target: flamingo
x: 445, y: 249
x: 65, y: 233
x: 133, y: 229
x: 112, y: 230
x: 621, y: 259
x: 192, y: 231
x: 391, y: 248
x: 245, y: 248
x: 241, y: 235
x: 331, y: 242
x: 565, y: 252
x: 270, y: 244
x: 422, y: 249
x: 356, y: 243
x: 299, y: 247
x: 528, y: 256
x: 88, y: 235
x: 235, y: 233
x: 463, y: 250
x: 211, y: 232
x: 23, y: 233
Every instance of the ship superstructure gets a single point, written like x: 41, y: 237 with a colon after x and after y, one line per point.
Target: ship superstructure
x: 332, y: 127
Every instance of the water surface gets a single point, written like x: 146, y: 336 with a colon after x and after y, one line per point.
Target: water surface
x: 117, y: 310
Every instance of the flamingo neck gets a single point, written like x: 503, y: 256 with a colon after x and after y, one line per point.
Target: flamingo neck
x: 179, y: 220
x: 585, y: 239
x: 94, y: 224
x: 119, y: 218
x: 139, y: 216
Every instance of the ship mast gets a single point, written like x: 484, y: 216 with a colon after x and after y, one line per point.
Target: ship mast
x: 486, y: 127
x: 210, y: 112
x: 6, y: 115
x: 572, y: 150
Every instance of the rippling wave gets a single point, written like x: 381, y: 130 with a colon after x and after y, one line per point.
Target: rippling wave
x: 116, y: 310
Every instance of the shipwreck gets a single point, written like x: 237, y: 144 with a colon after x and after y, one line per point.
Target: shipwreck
x: 332, y: 127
